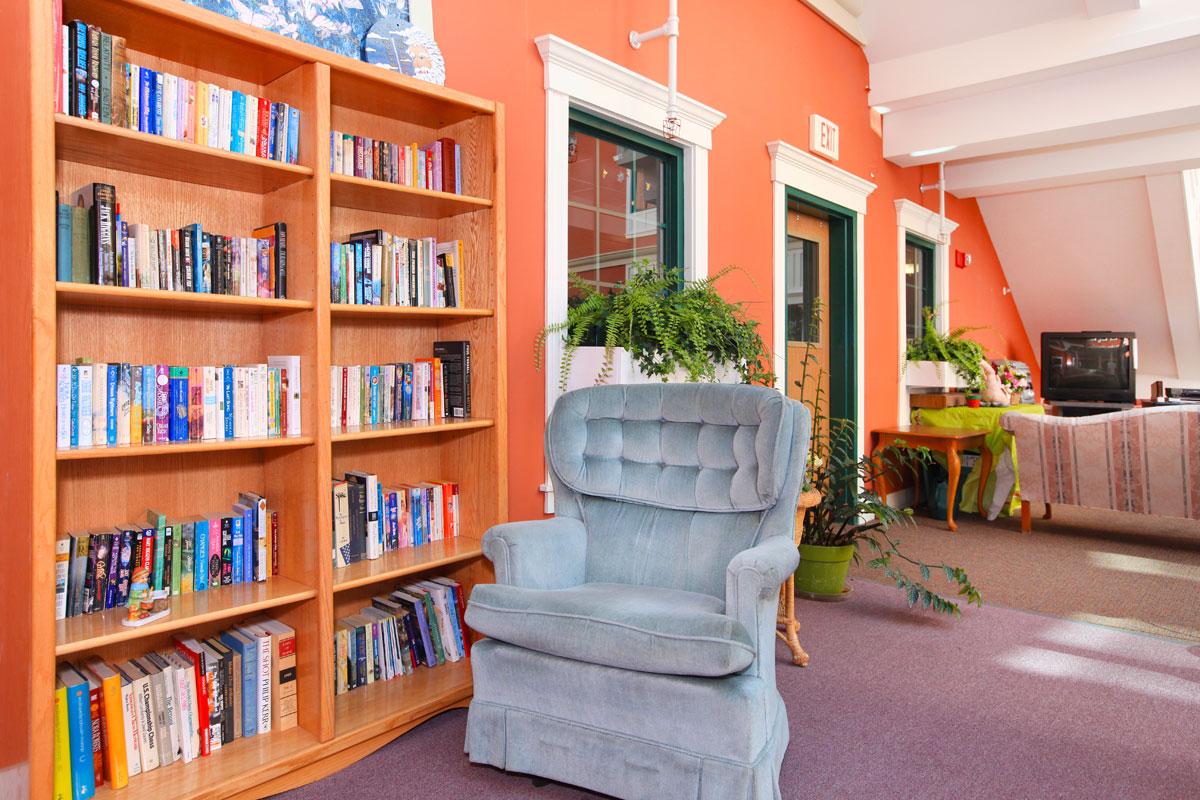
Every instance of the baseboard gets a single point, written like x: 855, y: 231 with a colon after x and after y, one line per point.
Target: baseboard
x: 901, y: 498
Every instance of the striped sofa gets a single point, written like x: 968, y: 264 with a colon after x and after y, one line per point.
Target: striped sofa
x: 1146, y: 461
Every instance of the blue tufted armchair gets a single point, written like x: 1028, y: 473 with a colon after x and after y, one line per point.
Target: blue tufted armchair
x: 631, y: 638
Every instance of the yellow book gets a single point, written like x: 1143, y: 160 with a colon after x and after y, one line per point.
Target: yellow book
x: 135, y: 418
x: 115, y: 761
x: 412, y: 165
x: 62, y: 744
x: 201, y: 126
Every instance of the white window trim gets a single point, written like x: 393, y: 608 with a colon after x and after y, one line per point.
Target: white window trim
x: 798, y: 169
x: 917, y: 219
x: 578, y: 77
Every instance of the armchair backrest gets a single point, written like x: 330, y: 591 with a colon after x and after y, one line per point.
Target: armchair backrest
x: 673, y: 480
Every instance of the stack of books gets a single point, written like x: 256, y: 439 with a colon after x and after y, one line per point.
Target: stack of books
x: 191, y: 554
x: 436, y: 166
x: 119, y: 404
x: 376, y: 268
x: 96, y: 244
x: 419, y: 624
x: 370, y: 519
x: 97, y: 81
x: 116, y: 720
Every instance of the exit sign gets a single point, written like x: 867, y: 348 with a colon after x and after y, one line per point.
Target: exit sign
x: 823, y: 137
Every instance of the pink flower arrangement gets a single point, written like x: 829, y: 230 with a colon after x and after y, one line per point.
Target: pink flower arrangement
x: 1014, y: 382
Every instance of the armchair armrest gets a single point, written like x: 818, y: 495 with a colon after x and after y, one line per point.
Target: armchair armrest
x: 752, y: 582
x: 538, y: 554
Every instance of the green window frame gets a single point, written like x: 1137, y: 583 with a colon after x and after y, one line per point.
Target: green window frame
x: 927, y: 285
x: 671, y: 157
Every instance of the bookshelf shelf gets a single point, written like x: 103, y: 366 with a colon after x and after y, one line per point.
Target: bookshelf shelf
x: 407, y: 561
x: 112, y: 147
x: 347, y: 191
x: 86, y: 294
x: 405, y: 701
x: 167, y: 184
x: 93, y: 631
x: 409, y: 428
x: 175, y: 448
x: 224, y: 772
x: 407, y: 312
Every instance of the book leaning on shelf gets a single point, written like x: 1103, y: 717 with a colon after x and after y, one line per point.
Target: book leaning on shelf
x: 420, y: 624
x: 184, y: 555
x: 98, y: 81
x: 115, y: 720
x: 115, y: 404
x: 370, y: 519
x: 376, y: 268
x: 436, y: 166
x: 96, y: 244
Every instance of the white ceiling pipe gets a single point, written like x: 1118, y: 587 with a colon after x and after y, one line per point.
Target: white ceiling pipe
x: 670, y: 29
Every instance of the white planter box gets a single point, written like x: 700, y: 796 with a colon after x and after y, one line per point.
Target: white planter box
x: 588, y: 361
x: 932, y: 375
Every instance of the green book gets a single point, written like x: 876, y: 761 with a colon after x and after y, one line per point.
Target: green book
x: 106, y: 77
x: 159, y: 523
x: 187, y: 557
x: 81, y: 244
x: 176, y: 558
x: 431, y: 613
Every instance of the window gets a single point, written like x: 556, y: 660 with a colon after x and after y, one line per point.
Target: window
x: 625, y: 202
x: 920, y: 278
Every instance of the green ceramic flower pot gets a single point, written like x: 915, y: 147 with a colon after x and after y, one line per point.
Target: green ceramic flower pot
x: 823, y: 570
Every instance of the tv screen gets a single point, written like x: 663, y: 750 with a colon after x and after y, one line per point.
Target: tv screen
x: 1089, y: 366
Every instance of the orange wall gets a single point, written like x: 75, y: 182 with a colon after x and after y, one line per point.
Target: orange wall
x: 767, y: 65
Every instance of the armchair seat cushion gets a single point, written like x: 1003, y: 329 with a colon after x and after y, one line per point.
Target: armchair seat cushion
x: 642, y: 628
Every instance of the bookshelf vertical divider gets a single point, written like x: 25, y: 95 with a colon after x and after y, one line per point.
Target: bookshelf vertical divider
x: 166, y: 183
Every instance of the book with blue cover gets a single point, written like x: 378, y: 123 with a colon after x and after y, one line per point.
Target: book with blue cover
x: 248, y: 650
x: 79, y: 723
x: 238, y: 547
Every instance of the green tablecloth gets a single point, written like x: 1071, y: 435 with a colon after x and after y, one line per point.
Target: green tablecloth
x: 997, y: 440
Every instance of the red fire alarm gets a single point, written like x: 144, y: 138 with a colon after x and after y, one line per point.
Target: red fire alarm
x: 962, y: 259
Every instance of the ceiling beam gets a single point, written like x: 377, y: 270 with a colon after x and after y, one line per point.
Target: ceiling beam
x: 1121, y: 100
x: 1173, y: 207
x: 1034, y: 53
x: 1126, y: 157
x: 841, y: 14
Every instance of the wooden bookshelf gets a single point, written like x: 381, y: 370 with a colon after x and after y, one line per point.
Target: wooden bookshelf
x: 168, y: 184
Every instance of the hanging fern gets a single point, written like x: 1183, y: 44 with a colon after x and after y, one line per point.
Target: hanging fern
x: 666, y: 324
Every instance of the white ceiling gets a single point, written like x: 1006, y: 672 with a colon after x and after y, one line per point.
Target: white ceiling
x: 1077, y: 125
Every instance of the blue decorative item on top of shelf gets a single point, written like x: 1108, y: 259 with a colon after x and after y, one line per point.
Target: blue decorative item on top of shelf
x: 337, y: 25
x: 395, y: 43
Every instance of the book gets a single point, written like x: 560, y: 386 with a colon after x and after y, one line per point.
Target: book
x: 62, y: 743
x: 455, y: 358
x: 116, y: 765
x: 283, y: 675
x: 79, y: 732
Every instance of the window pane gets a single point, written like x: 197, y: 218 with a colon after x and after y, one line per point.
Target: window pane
x: 581, y: 169
x: 913, y: 302
x: 803, y: 288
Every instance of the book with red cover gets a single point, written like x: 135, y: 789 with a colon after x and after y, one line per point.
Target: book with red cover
x: 264, y: 127
x: 190, y: 650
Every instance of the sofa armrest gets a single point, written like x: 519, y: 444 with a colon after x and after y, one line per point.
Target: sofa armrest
x: 752, y: 582
x: 538, y: 554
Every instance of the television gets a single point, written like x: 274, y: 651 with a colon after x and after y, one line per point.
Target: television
x: 1089, y: 366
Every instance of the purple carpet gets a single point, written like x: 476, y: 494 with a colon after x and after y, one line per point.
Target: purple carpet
x: 901, y: 704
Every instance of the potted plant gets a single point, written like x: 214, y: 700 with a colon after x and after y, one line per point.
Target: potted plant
x: 926, y: 358
x: 657, y: 327
x: 851, y: 513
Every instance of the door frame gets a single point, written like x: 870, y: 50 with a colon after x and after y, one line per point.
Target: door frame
x: 843, y: 195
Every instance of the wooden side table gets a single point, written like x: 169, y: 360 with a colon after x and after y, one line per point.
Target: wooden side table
x: 951, y: 442
x: 787, y: 628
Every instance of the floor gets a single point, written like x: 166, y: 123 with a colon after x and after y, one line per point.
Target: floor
x: 1001, y: 703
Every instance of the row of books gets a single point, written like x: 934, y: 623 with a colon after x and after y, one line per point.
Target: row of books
x: 370, y: 519
x: 116, y: 720
x: 92, y: 568
x: 97, y: 81
x: 419, y: 624
x: 115, y: 404
x: 376, y: 268
x: 96, y: 244
x: 436, y: 166
x: 423, y: 389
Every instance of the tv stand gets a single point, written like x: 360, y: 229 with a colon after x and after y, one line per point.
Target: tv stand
x: 1079, y: 408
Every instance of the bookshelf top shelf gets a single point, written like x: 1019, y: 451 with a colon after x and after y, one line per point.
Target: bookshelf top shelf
x: 407, y: 312
x: 93, y: 631
x: 409, y: 428
x: 88, y: 294
x: 185, y: 34
x: 111, y: 146
x: 175, y: 448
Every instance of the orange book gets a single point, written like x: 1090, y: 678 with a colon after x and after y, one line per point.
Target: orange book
x: 116, y: 765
